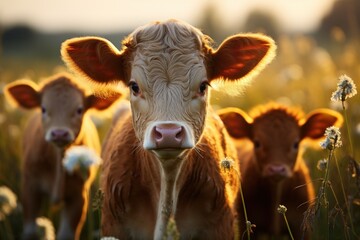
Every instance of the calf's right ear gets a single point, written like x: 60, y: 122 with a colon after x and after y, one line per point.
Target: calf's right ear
x: 23, y: 93
x: 237, y: 122
x: 94, y: 58
x: 317, y: 121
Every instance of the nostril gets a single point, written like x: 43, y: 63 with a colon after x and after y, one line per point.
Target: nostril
x: 180, y: 134
x: 157, y: 134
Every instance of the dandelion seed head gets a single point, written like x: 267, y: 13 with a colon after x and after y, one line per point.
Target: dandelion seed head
x: 7, y: 202
x: 325, y: 144
x: 45, y: 228
x: 282, y: 209
x: 333, y: 132
x: 80, y: 157
x: 227, y: 164
x: 332, y: 138
x: 322, y: 164
x: 346, y: 88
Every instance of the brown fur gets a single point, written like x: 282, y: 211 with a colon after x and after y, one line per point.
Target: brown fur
x: 131, y: 181
x: 275, y: 133
x: 165, y: 65
x: 43, y: 175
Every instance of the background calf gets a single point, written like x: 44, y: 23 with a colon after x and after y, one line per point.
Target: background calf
x: 59, y: 123
x: 273, y: 171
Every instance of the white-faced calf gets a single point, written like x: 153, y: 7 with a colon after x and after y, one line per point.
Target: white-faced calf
x: 163, y: 159
x: 272, y: 168
x: 59, y: 123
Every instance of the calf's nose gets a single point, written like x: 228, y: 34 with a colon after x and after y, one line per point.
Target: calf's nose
x: 59, y: 134
x: 168, y: 135
x: 276, y: 170
x: 60, y: 137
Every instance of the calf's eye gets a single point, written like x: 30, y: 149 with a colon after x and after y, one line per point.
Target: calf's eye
x: 256, y: 144
x: 134, y: 88
x: 203, y: 87
x: 80, y: 110
x: 43, y: 110
x: 296, y: 145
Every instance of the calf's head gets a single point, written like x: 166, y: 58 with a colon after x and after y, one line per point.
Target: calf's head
x: 276, y: 133
x: 168, y: 67
x: 63, y: 104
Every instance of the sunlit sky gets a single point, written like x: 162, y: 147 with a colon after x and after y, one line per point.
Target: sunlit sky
x: 117, y: 15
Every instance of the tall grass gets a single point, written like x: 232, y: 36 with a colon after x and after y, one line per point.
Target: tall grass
x: 303, y: 74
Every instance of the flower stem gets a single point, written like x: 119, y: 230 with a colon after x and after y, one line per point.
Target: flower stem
x: 288, y: 227
x: 342, y: 213
x: 248, y: 226
x: 348, y: 130
x: 345, y: 198
x: 327, y: 173
x: 323, y: 203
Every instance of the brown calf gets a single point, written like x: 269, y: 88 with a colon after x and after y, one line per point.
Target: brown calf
x: 61, y: 123
x: 273, y: 171
x: 163, y: 159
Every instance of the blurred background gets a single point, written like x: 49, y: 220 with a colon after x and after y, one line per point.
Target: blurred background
x: 317, y: 42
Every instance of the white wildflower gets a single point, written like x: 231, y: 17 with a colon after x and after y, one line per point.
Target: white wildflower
x: 79, y: 157
x: 282, y: 209
x: 325, y: 144
x: 346, y: 88
x: 227, y: 164
x: 333, y: 138
x: 7, y: 202
x: 322, y: 164
x: 109, y: 238
x: 45, y: 228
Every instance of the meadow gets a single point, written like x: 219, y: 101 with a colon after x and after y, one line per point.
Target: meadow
x: 304, y: 74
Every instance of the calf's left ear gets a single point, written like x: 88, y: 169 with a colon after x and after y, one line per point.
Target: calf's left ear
x: 317, y: 121
x: 241, y: 55
x: 102, y: 102
x: 237, y: 122
x: 23, y: 93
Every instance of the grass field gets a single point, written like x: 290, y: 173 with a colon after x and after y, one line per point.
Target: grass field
x: 304, y: 74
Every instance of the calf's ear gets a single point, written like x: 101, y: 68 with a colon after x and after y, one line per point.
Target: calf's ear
x: 23, y: 93
x: 317, y: 121
x: 94, y: 58
x: 241, y: 55
x: 102, y: 102
x: 237, y: 122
